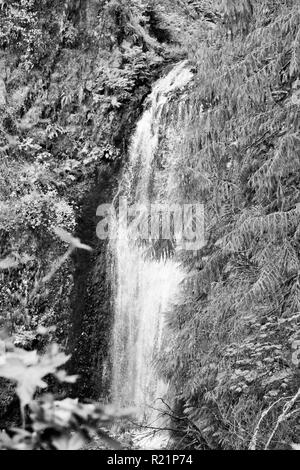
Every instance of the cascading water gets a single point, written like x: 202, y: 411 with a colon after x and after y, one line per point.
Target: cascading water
x: 145, y: 286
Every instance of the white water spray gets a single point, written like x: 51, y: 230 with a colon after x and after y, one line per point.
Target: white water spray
x: 145, y: 288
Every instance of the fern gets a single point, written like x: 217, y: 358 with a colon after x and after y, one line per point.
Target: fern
x: 241, y: 133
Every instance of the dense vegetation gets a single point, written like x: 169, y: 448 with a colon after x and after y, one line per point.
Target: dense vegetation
x: 73, y: 78
x: 236, y: 339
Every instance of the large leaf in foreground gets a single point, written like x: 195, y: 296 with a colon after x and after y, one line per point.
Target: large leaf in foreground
x: 28, y: 369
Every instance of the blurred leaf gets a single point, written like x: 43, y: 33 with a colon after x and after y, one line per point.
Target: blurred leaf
x: 28, y: 369
x: 62, y: 376
x: 74, y: 442
x: 68, y: 238
x: 21, y: 440
x: 295, y: 446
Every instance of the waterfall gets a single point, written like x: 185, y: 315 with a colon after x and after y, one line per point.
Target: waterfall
x: 145, y: 286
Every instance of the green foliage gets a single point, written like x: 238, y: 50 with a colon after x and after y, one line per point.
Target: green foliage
x: 24, y: 31
x: 231, y: 350
x: 49, y: 424
x: 28, y: 370
x: 120, y: 82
